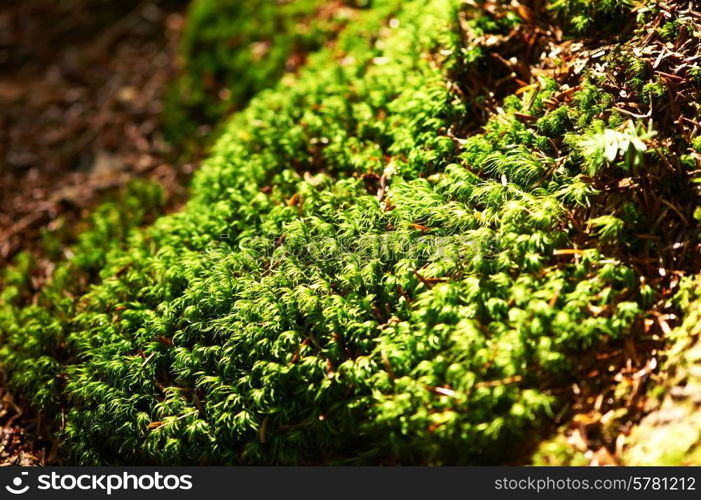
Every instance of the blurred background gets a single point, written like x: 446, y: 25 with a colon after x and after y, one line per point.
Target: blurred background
x: 82, y: 84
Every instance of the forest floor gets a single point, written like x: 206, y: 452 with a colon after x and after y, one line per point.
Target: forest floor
x: 81, y: 94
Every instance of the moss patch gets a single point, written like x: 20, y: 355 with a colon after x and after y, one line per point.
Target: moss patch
x: 360, y: 277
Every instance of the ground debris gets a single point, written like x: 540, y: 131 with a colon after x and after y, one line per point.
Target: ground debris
x: 21, y: 441
x: 81, y: 102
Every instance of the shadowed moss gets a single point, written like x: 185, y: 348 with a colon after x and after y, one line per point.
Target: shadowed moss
x: 39, y: 318
x: 232, y: 49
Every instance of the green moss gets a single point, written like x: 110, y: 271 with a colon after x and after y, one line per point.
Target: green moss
x: 695, y: 72
x: 351, y: 281
x: 554, y: 123
x: 40, y: 322
x: 591, y: 102
x: 696, y: 144
x: 637, y: 71
x: 557, y: 451
x: 653, y: 92
x: 582, y: 15
x: 233, y: 49
x: 669, y: 31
